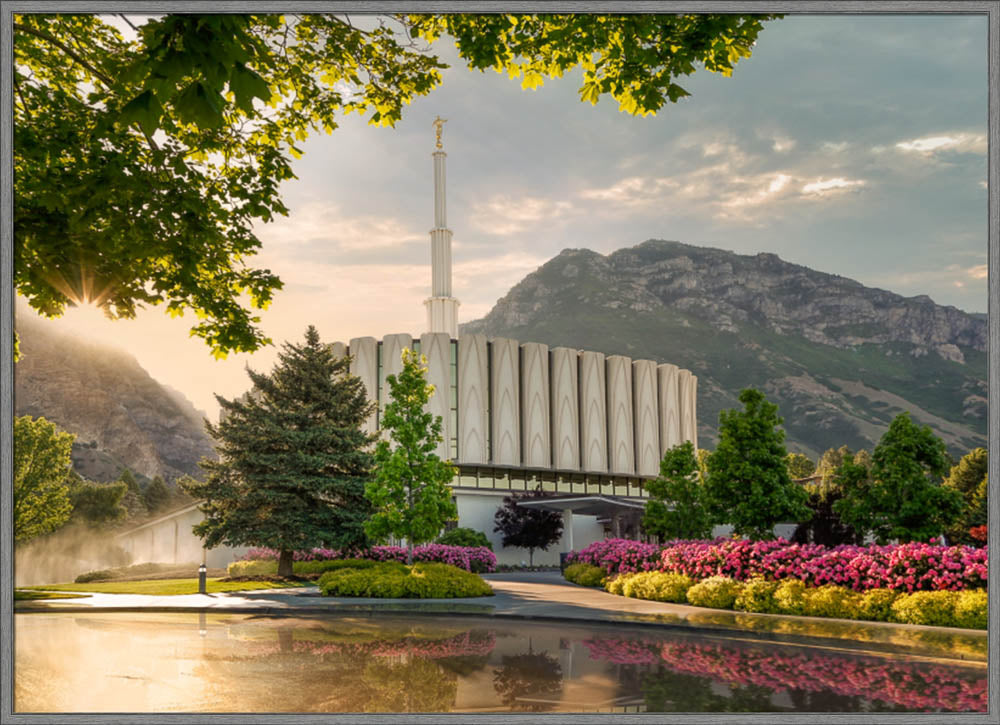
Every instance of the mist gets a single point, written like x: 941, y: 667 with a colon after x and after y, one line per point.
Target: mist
x: 65, y: 554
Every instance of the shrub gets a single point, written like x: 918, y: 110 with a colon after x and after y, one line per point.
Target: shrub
x: 831, y: 600
x: 585, y: 574
x: 718, y: 592
x: 876, y: 605
x: 931, y: 608
x: 463, y: 536
x: 96, y: 576
x: 616, y: 584
x: 657, y: 586
x: 319, y: 567
x: 256, y: 567
x: 970, y: 609
x: 476, y: 559
x: 618, y: 556
x: 394, y: 580
x: 790, y: 597
x: 757, y: 595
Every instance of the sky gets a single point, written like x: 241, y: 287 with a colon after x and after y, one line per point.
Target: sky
x: 854, y: 145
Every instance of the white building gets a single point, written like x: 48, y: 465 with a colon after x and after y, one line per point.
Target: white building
x: 585, y: 426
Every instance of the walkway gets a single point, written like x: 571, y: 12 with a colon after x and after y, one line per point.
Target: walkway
x: 547, y: 596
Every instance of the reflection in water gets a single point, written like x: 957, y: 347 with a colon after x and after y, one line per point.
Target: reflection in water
x: 529, y: 681
x: 147, y: 662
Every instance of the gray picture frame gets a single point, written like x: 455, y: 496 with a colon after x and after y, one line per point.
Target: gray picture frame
x: 991, y: 8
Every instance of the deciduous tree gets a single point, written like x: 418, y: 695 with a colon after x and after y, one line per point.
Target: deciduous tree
x: 676, y: 508
x: 293, y: 458
x: 41, y: 462
x: 143, y: 166
x: 748, y: 484
x: 903, y: 497
x: 409, y: 490
x: 527, y: 528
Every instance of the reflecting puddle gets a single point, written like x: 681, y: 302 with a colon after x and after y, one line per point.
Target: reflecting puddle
x: 146, y: 662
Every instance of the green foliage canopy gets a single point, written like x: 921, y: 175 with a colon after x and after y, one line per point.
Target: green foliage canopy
x: 799, y: 465
x: 968, y: 477
x: 292, y: 458
x: 97, y: 504
x: 902, y: 498
x: 409, y: 490
x: 676, y: 508
x: 41, y: 463
x: 142, y: 167
x: 748, y: 484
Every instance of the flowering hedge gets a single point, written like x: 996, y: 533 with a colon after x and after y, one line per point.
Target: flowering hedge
x: 470, y: 558
x: 908, y: 567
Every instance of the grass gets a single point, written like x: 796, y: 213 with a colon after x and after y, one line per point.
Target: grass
x: 21, y: 595
x: 164, y: 587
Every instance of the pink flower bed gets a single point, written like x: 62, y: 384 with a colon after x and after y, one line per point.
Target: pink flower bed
x: 910, y: 684
x: 470, y: 558
x: 908, y: 567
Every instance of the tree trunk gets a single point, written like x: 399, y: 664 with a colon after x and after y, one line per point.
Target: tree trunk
x: 285, y: 563
x: 409, y: 551
x: 531, y: 557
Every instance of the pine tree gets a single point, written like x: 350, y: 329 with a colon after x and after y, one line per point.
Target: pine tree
x: 293, y: 458
x: 748, y: 484
x: 156, y: 494
x: 409, y: 490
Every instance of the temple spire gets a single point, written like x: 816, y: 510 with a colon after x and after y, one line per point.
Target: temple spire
x: 442, y: 308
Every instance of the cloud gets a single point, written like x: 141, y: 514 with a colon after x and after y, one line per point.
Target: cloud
x: 505, y: 215
x: 783, y: 144
x: 824, y: 186
x: 978, y: 272
x: 959, y: 142
x: 324, y: 223
x: 836, y: 148
x: 634, y: 191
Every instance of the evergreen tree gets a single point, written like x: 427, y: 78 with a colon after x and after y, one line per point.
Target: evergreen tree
x: 96, y: 504
x: 409, y: 490
x: 527, y: 528
x: 156, y: 495
x: 903, y: 497
x: 676, y: 507
x: 967, y: 478
x: 135, y: 505
x: 41, y: 461
x: 293, y: 458
x: 748, y: 484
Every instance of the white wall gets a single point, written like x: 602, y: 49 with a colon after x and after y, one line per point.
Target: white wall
x: 476, y: 511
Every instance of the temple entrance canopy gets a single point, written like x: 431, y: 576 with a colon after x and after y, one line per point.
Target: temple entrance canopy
x: 622, y: 514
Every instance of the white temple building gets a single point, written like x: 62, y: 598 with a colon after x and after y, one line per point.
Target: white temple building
x: 587, y: 427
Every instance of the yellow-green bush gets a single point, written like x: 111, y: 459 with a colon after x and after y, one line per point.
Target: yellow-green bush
x: 423, y: 580
x: 586, y: 575
x: 790, y: 597
x: 875, y: 605
x: 617, y: 584
x: 718, y: 592
x: 757, y: 595
x: 658, y: 586
x: 830, y: 600
x: 253, y: 567
x: 933, y: 608
x: 970, y: 609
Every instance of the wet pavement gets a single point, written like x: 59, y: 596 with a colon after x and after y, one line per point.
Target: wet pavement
x: 547, y: 596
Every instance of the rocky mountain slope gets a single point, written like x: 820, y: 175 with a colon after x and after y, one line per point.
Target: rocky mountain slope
x: 121, y: 416
x: 840, y: 359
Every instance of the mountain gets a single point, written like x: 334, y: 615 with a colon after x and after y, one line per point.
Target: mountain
x: 121, y: 416
x: 840, y: 359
